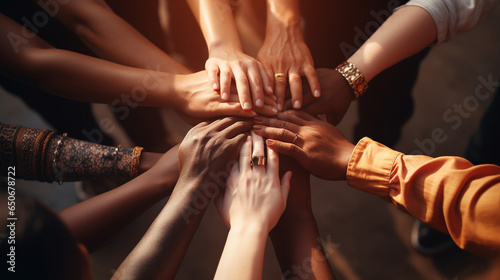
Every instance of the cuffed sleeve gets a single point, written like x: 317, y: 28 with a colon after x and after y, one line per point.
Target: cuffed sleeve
x: 447, y: 193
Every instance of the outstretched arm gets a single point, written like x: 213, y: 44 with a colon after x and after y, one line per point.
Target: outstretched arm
x: 251, y: 205
x: 296, y: 238
x: 203, y: 155
x: 226, y: 58
x: 410, y: 29
x: 284, y: 51
x: 111, y: 37
x: 94, y: 220
x: 88, y: 79
x: 448, y: 193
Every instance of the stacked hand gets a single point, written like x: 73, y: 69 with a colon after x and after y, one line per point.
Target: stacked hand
x: 197, y: 101
x: 249, y: 75
x: 286, y: 57
x: 336, y: 96
x: 210, y: 147
x: 254, y: 195
x: 317, y: 145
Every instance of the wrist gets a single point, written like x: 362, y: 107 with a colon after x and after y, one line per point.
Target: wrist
x: 224, y: 47
x: 345, y: 158
x: 148, y: 160
x: 246, y: 227
x: 283, y: 14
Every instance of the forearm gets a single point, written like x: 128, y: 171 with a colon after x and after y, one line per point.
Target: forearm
x: 448, y: 193
x: 283, y: 15
x: 217, y: 24
x: 97, y: 219
x: 80, y: 77
x: 406, y: 32
x: 296, y: 238
x: 161, y: 250
x: 243, y: 260
x: 112, y: 38
x: 298, y: 247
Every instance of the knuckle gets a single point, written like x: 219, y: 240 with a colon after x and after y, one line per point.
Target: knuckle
x: 295, y: 79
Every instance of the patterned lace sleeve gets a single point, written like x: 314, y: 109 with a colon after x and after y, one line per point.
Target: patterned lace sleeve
x: 44, y: 156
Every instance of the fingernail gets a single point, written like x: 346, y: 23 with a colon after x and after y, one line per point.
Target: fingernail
x: 316, y: 93
x: 247, y: 106
x: 274, y: 110
x: 296, y: 104
x: 258, y: 119
x: 214, y: 85
x: 270, y: 89
x: 269, y: 142
x: 259, y: 103
x: 257, y: 127
x: 225, y: 96
x: 280, y: 107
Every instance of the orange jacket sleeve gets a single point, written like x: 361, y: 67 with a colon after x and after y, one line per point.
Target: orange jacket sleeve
x: 447, y: 193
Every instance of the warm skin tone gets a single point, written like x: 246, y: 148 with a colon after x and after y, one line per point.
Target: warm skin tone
x: 320, y: 147
x: 284, y: 51
x: 251, y: 205
x: 112, y: 38
x: 89, y: 79
x: 406, y: 32
x: 226, y: 58
x: 207, y: 149
x: 296, y: 238
x: 95, y: 220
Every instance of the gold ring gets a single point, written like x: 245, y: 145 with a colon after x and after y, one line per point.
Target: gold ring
x: 279, y: 75
x: 258, y: 161
x: 295, y: 139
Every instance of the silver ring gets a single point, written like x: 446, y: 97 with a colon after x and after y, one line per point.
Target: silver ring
x: 258, y: 161
x: 295, y: 139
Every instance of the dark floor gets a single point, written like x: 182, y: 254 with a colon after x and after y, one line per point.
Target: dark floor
x: 364, y: 237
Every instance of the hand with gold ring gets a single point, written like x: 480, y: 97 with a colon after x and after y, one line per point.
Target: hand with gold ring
x: 317, y: 145
x: 254, y: 194
x: 286, y: 58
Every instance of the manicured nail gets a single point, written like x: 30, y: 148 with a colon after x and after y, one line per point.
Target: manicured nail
x: 259, y: 103
x: 258, y: 119
x: 280, y: 107
x: 225, y: 96
x: 274, y: 110
x: 296, y: 104
x: 316, y: 93
x: 214, y: 85
x: 270, y: 89
x: 247, y: 106
x: 257, y: 127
